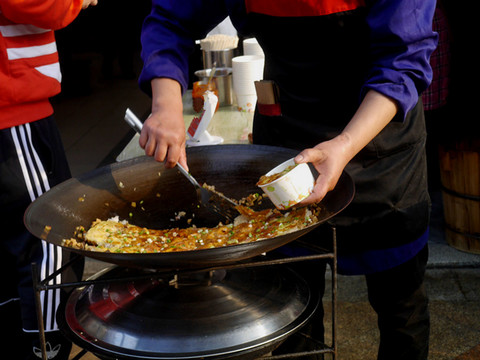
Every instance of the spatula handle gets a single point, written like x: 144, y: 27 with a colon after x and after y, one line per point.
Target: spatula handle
x: 133, y: 121
x: 188, y: 176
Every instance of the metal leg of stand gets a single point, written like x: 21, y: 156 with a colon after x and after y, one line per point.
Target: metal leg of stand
x: 334, y: 293
x: 38, y: 303
x: 329, y: 349
x: 39, y: 286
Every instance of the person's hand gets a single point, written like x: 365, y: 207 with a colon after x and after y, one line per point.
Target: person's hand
x: 163, y: 134
x: 329, y: 158
x: 163, y: 137
x: 87, y: 3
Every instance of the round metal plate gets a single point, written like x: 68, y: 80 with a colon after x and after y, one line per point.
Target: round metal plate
x: 224, y: 314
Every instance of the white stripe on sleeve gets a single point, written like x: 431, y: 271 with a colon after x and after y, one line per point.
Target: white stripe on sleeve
x: 21, y: 30
x: 31, y: 51
x: 52, y: 70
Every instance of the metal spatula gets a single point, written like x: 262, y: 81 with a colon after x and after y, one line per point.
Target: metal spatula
x: 212, y: 200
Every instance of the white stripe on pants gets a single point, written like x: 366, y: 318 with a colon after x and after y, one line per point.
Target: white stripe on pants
x: 37, y: 183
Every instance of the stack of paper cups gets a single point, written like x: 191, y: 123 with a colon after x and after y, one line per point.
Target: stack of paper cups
x: 251, y: 47
x: 246, y: 70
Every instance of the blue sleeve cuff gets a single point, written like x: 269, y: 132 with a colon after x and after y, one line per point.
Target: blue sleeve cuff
x: 161, y: 66
x: 399, y: 88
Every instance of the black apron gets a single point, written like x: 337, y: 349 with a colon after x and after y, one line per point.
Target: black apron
x: 319, y: 65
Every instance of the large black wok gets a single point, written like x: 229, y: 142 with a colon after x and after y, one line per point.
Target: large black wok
x: 143, y: 192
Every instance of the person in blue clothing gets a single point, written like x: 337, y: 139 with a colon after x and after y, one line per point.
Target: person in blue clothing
x: 350, y: 74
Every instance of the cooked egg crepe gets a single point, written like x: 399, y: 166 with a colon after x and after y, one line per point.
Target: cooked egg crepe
x: 121, y: 237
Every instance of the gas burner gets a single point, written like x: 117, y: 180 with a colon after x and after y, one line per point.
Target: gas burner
x: 240, y: 313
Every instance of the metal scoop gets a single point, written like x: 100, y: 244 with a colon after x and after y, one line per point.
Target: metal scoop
x: 210, y: 199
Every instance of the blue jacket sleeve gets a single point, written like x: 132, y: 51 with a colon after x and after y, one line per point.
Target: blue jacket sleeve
x: 402, y: 41
x: 168, y: 37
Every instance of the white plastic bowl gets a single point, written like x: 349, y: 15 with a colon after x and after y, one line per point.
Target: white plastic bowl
x: 292, y: 187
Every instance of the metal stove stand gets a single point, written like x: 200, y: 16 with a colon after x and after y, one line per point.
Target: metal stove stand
x: 321, y: 254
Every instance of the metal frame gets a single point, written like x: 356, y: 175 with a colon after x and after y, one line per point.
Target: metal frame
x: 42, y: 285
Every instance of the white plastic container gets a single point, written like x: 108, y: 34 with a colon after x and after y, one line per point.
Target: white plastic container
x: 290, y: 188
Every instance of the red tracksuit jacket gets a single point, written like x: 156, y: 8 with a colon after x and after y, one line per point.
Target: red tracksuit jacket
x: 29, y: 68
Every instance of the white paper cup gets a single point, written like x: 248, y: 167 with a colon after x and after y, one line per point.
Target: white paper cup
x: 251, y: 47
x: 246, y: 70
x: 292, y: 187
x: 246, y: 103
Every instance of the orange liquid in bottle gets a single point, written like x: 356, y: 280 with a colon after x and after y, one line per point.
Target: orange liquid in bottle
x: 198, y: 90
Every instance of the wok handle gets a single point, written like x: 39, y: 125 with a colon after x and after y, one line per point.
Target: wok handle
x: 137, y: 125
